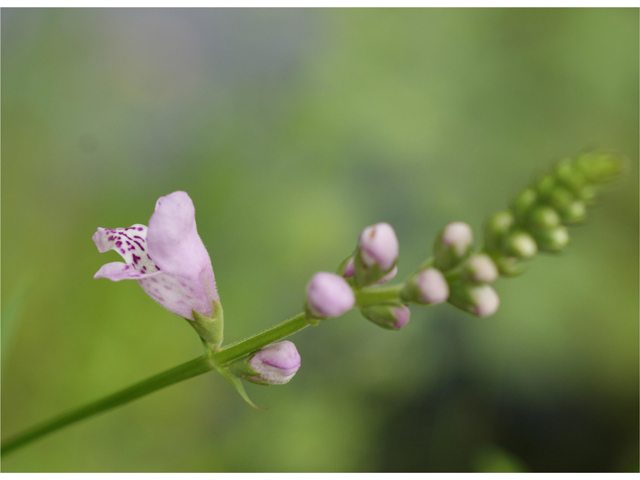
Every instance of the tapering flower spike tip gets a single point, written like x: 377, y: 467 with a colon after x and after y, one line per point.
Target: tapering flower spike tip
x: 168, y: 259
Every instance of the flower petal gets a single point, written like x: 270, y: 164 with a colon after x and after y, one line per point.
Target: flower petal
x: 117, y: 271
x: 178, y: 251
x: 130, y: 243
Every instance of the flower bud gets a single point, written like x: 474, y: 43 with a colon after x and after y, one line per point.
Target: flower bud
x: 389, y: 276
x: 599, y: 167
x: 508, y: 266
x: 328, y: 295
x: 570, y: 176
x: 496, y: 228
x: 479, y: 268
x: 545, y: 185
x: 553, y: 239
x: 570, y: 209
x: 427, y: 287
x: 392, y: 316
x: 377, y: 253
x: 524, y: 202
x: 349, y: 269
x: 480, y: 300
x: 452, y: 245
x: 274, y: 364
x: 521, y: 245
x: 544, y: 217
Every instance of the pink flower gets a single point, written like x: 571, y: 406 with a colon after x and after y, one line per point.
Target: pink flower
x: 168, y: 259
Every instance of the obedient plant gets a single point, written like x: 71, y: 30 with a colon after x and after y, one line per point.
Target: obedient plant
x: 169, y: 261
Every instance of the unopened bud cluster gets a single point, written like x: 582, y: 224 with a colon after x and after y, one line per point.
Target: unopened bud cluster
x: 455, y: 274
x: 537, y: 217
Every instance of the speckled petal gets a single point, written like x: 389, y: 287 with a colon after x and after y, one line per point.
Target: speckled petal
x: 117, y: 271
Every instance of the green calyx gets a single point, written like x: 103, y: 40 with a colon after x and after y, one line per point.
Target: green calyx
x: 383, y: 314
x: 364, y: 275
x: 210, y: 329
x: 242, y: 369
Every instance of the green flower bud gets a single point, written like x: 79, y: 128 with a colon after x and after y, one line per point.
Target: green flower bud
x: 496, y: 228
x: 570, y: 209
x: 523, y: 203
x: 570, y: 176
x: 522, y: 245
x: 452, y: 245
x: 508, y: 266
x: 390, y: 315
x: 587, y: 194
x: 545, y: 185
x: 480, y: 300
x: 544, y: 217
x: 576, y: 212
x: 598, y: 167
x: 554, y: 239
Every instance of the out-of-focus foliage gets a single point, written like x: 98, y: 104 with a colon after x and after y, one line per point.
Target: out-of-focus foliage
x: 292, y: 130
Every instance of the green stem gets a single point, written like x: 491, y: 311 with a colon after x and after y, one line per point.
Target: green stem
x: 174, y: 375
x: 373, y: 295
x: 187, y: 370
x: 252, y: 344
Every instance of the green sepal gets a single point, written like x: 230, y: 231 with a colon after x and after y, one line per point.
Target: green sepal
x: 210, y: 329
x: 242, y: 369
x: 237, y: 384
x: 445, y: 257
x: 343, y: 265
x: 365, y: 276
x: 381, y: 314
x: 508, y: 266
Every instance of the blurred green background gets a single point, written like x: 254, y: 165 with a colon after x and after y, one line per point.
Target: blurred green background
x: 292, y: 130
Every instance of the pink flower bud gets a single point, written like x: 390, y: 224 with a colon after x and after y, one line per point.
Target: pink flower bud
x: 276, y: 364
x: 392, y: 316
x: 452, y: 245
x: 379, y: 245
x: 479, y: 268
x: 389, y: 276
x: 427, y: 287
x: 432, y: 286
x: 168, y: 259
x: 349, y: 269
x: 329, y: 295
x: 480, y: 300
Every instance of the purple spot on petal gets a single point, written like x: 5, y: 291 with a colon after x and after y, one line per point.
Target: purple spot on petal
x: 140, y: 229
x: 122, y: 250
x: 118, y: 244
x: 136, y: 258
x: 167, y: 288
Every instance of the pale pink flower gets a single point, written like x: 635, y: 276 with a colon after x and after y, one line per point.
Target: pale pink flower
x: 168, y: 259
